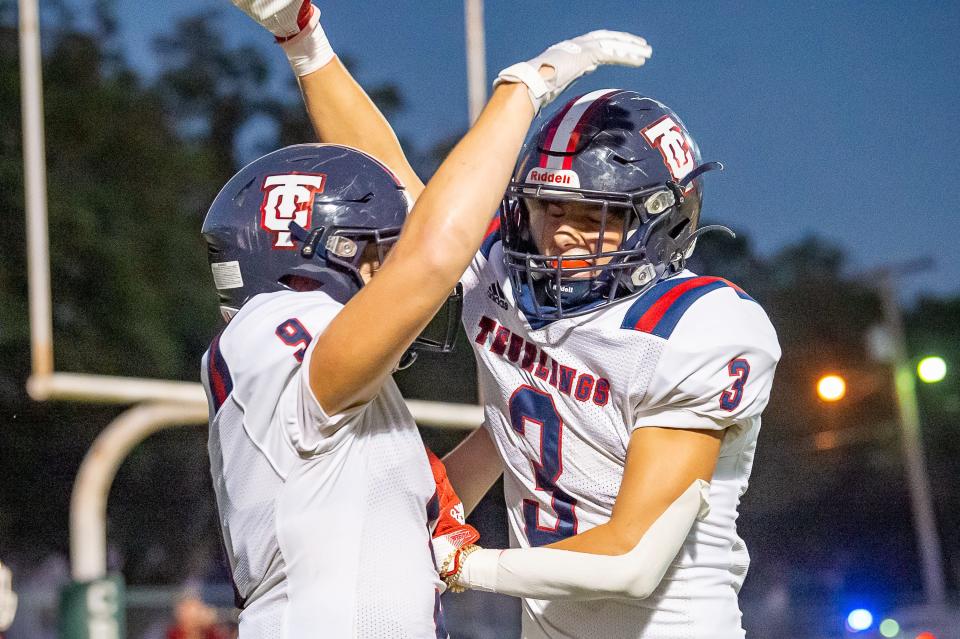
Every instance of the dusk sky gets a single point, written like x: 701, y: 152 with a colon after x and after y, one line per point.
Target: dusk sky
x: 839, y: 119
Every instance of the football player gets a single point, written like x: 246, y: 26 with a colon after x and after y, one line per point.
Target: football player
x: 619, y: 385
x: 623, y: 392
x: 324, y: 491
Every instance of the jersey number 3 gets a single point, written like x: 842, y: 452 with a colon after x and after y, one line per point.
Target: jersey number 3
x: 730, y: 399
x: 531, y: 406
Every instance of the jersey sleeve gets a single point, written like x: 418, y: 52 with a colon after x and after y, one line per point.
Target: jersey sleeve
x: 716, y: 368
x: 267, y: 347
x: 316, y: 430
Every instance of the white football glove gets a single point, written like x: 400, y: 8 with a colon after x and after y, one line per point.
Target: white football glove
x: 296, y: 26
x: 8, y: 598
x: 573, y: 58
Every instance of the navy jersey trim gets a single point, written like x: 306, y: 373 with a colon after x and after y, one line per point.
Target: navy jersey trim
x: 221, y: 383
x: 658, y: 311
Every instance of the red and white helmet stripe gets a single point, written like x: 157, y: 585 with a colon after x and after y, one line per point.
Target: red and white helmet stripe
x: 565, y: 134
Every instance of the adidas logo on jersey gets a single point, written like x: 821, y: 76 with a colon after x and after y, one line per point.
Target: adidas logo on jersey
x: 496, y: 294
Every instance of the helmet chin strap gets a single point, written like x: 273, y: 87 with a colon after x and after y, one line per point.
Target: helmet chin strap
x: 309, y: 239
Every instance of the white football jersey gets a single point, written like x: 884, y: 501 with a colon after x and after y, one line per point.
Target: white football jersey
x: 324, y: 518
x: 561, y: 401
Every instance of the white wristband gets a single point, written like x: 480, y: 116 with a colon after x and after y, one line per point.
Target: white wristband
x: 525, y: 73
x: 309, y: 50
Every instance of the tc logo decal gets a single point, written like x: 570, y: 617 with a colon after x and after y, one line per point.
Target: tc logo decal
x: 286, y: 199
x: 666, y: 136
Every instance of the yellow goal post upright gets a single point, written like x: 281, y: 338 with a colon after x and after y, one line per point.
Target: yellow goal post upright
x: 92, y: 606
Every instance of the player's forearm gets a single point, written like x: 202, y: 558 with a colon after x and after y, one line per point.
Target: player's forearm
x: 606, y: 539
x: 342, y: 113
x: 548, y: 573
x: 339, y: 109
x: 473, y: 467
x: 439, y: 239
x: 453, y: 212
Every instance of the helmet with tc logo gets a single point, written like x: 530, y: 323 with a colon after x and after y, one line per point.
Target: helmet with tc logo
x: 628, y: 155
x: 303, y: 218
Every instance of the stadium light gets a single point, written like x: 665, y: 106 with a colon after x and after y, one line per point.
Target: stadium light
x: 831, y: 388
x: 931, y: 369
x: 859, y: 620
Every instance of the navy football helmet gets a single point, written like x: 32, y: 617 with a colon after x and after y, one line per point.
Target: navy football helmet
x: 303, y: 218
x: 627, y: 155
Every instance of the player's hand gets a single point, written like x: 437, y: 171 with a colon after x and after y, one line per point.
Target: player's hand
x: 8, y: 598
x: 451, y: 536
x: 283, y: 18
x: 448, y: 551
x: 452, y: 567
x: 551, y: 72
x: 296, y: 26
x: 451, y: 533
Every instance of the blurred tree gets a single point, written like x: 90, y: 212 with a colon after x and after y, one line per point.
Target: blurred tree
x: 210, y: 89
x: 126, y: 196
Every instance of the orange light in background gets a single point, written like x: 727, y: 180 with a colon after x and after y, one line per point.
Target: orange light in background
x: 826, y: 440
x: 926, y: 635
x: 831, y: 388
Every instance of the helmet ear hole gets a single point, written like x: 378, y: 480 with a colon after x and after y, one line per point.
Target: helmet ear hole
x: 679, y: 228
x: 300, y: 283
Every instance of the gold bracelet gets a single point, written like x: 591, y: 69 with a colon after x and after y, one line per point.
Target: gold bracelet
x: 459, y: 560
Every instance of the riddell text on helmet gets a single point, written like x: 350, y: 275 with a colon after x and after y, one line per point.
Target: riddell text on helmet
x: 558, y: 177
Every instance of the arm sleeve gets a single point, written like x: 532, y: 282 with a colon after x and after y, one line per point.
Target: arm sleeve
x: 716, y: 368
x: 549, y: 573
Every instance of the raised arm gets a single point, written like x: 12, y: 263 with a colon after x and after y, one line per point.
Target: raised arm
x: 341, y: 112
x: 362, y: 345
x: 339, y: 109
x: 366, y: 339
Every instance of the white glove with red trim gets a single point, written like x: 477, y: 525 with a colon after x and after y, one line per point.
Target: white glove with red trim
x: 572, y: 59
x: 296, y: 26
